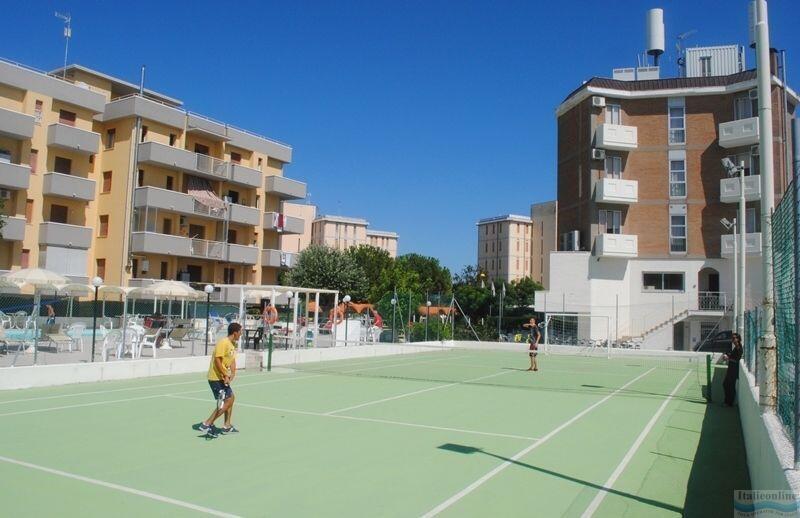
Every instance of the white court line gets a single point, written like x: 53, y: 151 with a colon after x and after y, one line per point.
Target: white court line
x: 369, y: 419
x: 81, y: 405
x: 598, y: 499
x: 118, y: 487
x: 407, y: 394
x: 472, y: 487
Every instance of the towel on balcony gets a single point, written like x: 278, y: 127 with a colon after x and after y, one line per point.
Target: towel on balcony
x: 277, y: 221
x: 200, y: 190
x: 283, y: 259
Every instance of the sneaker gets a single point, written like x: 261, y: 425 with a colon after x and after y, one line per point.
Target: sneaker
x: 208, y: 430
x: 230, y: 429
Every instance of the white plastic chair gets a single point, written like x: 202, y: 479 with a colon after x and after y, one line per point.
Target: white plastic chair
x: 75, y: 332
x: 112, y: 342
x: 150, y: 339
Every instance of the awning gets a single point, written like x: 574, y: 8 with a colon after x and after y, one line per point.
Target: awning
x: 200, y: 190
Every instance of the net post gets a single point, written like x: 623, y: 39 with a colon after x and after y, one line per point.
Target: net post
x: 269, y: 354
x: 708, y: 377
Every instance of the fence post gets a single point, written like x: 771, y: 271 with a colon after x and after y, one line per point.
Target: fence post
x: 708, y: 377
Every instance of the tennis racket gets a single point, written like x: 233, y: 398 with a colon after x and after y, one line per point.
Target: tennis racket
x: 220, y: 399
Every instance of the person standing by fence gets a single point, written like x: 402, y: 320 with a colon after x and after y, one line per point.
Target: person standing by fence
x: 733, y: 369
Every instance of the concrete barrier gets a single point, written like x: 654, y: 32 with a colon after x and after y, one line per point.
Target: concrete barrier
x: 64, y: 374
x: 770, y: 456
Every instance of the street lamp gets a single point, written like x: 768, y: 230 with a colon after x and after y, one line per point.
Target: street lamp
x: 289, y: 295
x: 394, y: 313
x: 733, y: 170
x: 346, y: 299
x: 96, y: 282
x: 209, y: 289
x: 427, y: 317
x: 732, y: 227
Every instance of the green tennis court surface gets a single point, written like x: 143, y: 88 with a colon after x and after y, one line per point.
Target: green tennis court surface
x: 456, y: 433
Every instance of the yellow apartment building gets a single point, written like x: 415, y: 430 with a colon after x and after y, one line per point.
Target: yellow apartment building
x: 504, y: 247
x: 100, y: 179
x: 341, y: 232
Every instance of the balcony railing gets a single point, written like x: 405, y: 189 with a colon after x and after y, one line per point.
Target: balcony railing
x: 14, y: 176
x: 712, y: 301
x: 616, y: 245
x: 616, y: 136
x: 743, y: 132
x: 752, y: 244
x: 74, y: 139
x: 277, y: 258
x: 15, y: 124
x: 207, y: 249
x: 13, y: 229
x: 730, y: 189
x: 207, y: 210
x: 68, y: 186
x: 616, y: 190
x: 213, y: 166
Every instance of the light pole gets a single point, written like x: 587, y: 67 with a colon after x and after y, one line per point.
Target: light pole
x: 734, y: 170
x: 427, y: 315
x: 346, y: 300
x: 732, y: 227
x: 289, y: 295
x: 394, y: 314
x: 96, y: 282
x: 209, y: 289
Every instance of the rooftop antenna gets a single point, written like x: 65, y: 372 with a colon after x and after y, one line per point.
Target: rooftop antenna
x: 655, y: 33
x: 681, y: 48
x: 67, y: 18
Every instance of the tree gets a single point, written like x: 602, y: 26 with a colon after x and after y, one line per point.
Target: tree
x: 374, y: 262
x: 327, y: 268
x: 431, y: 276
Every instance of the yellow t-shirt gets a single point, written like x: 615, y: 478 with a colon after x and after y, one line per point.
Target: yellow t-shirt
x: 225, y: 350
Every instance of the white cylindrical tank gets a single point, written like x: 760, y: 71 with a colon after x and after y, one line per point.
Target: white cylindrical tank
x: 655, y: 32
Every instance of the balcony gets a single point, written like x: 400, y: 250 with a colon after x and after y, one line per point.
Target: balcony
x: 616, y: 245
x: 136, y: 105
x: 729, y: 189
x: 277, y: 258
x: 743, y: 132
x: 16, y: 125
x: 244, y: 214
x: 173, y: 201
x: 285, y: 188
x: 73, y: 139
x: 68, y: 186
x: 752, y: 242
x: 183, y: 160
x: 614, y: 190
x: 13, y: 229
x: 245, y: 176
x: 616, y: 136
x: 14, y: 176
x: 291, y: 225
x: 242, y: 254
x: 64, y: 235
x: 165, y: 244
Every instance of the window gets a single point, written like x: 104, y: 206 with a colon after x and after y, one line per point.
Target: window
x: 169, y: 184
x: 134, y: 268
x: 610, y: 221
x: 28, y: 211
x: 492, y: 246
x: 106, y: 181
x: 662, y: 281
x: 677, y: 233
x: 140, y: 178
x: 677, y: 178
x: 25, y: 258
x: 166, y: 227
x: 613, y: 114
x: 486, y: 228
x: 58, y: 213
x: 755, y: 161
x: 260, y: 161
x: 37, y: 112
x: 172, y: 138
x: 164, y: 270
x: 33, y: 160
x: 677, y: 120
x: 102, y: 231
x: 144, y: 133
x: 101, y: 268
x: 746, y: 106
x: 614, y: 167
x: 231, y: 236
x: 111, y: 136
x: 500, y: 246
x: 236, y: 158
x: 228, y: 276
x: 751, y: 220
x: 706, y: 328
x: 62, y: 165
x: 486, y: 248
x: 66, y: 117
x: 705, y: 66
x: 201, y: 149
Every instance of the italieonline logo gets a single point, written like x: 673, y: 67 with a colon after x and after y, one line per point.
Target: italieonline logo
x: 764, y: 504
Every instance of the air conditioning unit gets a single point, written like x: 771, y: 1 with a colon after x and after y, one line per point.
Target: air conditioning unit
x: 598, y: 154
x: 5, y: 194
x: 598, y: 102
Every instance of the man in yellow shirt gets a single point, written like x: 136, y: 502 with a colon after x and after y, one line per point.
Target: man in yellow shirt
x: 221, y: 373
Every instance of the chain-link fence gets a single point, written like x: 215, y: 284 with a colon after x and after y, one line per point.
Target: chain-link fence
x: 784, y: 249
x: 752, y: 330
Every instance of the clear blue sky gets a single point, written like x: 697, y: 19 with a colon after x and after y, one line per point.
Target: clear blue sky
x: 420, y: 116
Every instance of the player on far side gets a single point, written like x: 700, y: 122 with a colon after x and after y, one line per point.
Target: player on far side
x: 221, y: 373
x: 533, y: 339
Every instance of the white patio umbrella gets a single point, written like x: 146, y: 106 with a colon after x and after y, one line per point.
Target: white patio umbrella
x: 170, y: 290
x: 104, y: 291
x: 40, y: 279
x: 74, y: 290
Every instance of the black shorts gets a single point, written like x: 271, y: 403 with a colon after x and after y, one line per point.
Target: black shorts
x: 532, y: 354
x: 216, y: 386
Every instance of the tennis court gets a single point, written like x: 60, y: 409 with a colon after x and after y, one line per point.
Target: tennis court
x: 455, y: 432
